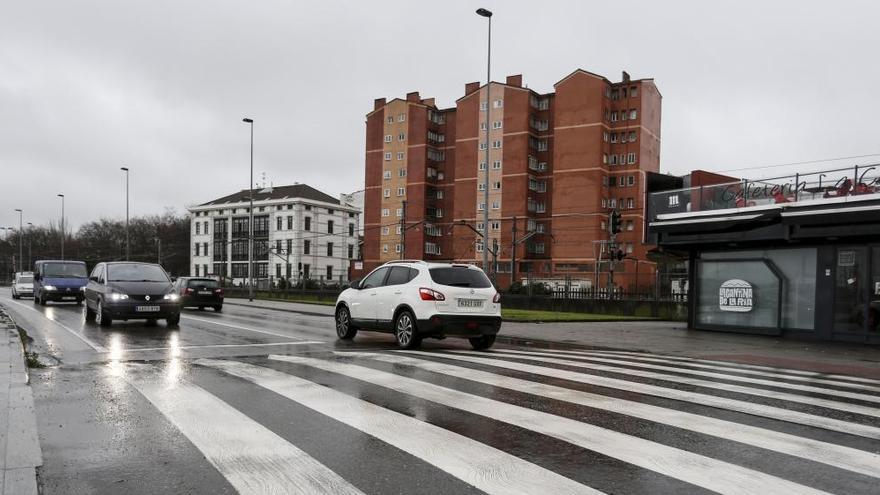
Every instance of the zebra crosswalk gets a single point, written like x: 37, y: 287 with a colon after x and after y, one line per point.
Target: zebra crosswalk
x: 523, y: 421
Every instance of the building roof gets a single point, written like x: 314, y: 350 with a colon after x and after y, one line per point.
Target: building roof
x: 301, y: 191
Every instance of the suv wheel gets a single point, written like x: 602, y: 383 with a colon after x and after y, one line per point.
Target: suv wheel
x: 173, y: 321
x: 405, y: 331
x: 344, y: 328
x: 90, y: 315
x: 102, y: 318
x: 482, y: 343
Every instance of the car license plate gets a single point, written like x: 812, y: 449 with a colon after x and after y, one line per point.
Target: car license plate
x: 470, y: 303
x: 68, y: 298
x: 204, y: 293
x: 146, y: 309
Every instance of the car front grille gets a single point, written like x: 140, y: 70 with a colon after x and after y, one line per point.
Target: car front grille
x: 143, y: 297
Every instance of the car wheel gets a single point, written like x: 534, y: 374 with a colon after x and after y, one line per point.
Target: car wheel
x: 42, y: 301
x: 405, y: 331
x: 482, y: 343
x: 218, y: 308
x: 14, y: 296
x: 36, y: 299
x: 90, y: 315
x: 344, y: 328
x: 173, y: 321
x: 102, y: 318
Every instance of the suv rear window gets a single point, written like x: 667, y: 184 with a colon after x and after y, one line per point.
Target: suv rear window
x: 460, y: 276
x: 203, y: 282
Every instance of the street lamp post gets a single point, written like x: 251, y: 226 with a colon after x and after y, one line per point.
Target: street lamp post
x: 20, y: 240
x: 127, y: 250
x: 30, y: 242
x: 488, y: 15
x: 251, y: 217
x: 62, y: 226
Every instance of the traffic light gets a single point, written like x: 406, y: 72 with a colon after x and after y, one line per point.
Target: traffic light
x: 615, y: 224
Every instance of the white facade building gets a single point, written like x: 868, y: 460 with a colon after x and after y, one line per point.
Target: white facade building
x: 300, y: 234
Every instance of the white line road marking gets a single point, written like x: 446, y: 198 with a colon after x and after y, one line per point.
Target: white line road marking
x: 249, y: 329
x: 773, y: 394
x: 487, y: 468
x: 709, y: 374
x: 752, y: 408
x: 834, y: 455
x: 734, y: 366
x: 76, y: 334
x: 213, y: 346
x: 251, y: 457
x: 711, y: 474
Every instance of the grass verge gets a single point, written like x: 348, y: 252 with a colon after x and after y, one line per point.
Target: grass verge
x: 533, y: 316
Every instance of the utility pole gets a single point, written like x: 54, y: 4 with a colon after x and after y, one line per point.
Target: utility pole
x: 251, y: 216
x: 488, y: 15
x: 513, y: 254
x: 403, y: 231
x: 159, y: 251
x: 20, y: 241
x: 127, y: 250
x: 62, y: 226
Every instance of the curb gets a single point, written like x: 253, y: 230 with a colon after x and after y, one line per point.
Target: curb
x: 307, y: 313
x: 22, y: 454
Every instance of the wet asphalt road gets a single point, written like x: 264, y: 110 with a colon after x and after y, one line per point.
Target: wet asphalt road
x: 261, y: 401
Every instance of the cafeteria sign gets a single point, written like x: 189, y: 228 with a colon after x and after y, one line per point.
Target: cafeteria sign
x: 736, y: 295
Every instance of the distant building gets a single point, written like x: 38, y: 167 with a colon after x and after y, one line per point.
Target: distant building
x: 559, y: 164
x: 299, y: 233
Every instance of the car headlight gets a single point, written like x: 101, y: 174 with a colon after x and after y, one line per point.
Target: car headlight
x: 171, y: 297
x: 116, y: 296
x: 49, y: 287
x: 82, y: 289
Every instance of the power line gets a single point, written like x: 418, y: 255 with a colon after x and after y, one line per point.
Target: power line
x: 753, y: 167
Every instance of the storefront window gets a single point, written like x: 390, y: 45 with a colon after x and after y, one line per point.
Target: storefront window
x: 737, y: 293
x: 796, y: 269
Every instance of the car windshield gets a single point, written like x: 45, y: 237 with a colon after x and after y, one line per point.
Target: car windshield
x: 64, y: 270
x: 460, y: 276
x: 203, y: 282
x: 136, y: 273
x: 26, y: 280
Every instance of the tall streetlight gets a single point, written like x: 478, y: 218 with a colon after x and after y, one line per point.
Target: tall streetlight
x: 488, y: 15
x: 20, y: 241
x: 30, y: 242
x: 62, y: 226
x: 127, y: 251
x: 251, y: 217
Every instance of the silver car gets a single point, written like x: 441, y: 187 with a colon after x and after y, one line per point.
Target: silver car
x: 23, y: 285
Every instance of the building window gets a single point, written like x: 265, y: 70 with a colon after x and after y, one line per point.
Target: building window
x: 330, y: 249
x: 386, y: 193
x: 387, y: 138
x: 482, y: 166
x: 632, y: 136
x: 481, y: 186
x: 496, y: 185
x: 329, y: 272
x: 400, y: 155
x: 277, y: 270
x: 604, y: 203
x: 329, y: 226
x: 633, y: 114
x: 479, y: 247
x: 629, y: 225
x: 496, y: 205
x: 397, y: 248
x: 631, y: 158
x: 385, y: 212
x: 401, y: 117
x: 630, y: 203
x: 634, y: 91
x: 613, y: 116
x: 629, y: 247
x: 289, y: 246
x: 631, y: 180
x: 277, y: 246
x: 496, y: 124
x: 385, y: 230
x: 612, y: 203
x: 482, y: 126
x: 496, y: 165
x: 308, y: 207
x: 605, y: 136
x: 386, y: 174
x: 604, y: 158
x: 495, y: 224
x: 290, y: 222
x: 613, y: 137
x: 482, y: 146
x: 197, y: 270
x: 483, y: 106
x: 351, y: 230
x: 279, y: 222
x: 613, y: 159
x: 307, y: 223
x: 480, y: 226
x: 401, y: 191
x: 496, y: 144
x: 401, y: 172
x: 439, y: 193
x: 481, y: 206
x: 498, y: 103
x: 198, y: 228
x: 401, y: 136
x: 387, y: 157
x: 400, y: 212
x: 384, y: 248
x: 307, y: 247
x: 350, y: 251
x: 390, y: 119
x: 198, y: 248
x: 398, y: 230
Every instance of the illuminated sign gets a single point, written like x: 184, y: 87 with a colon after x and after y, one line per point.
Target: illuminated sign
x: 736, y: 295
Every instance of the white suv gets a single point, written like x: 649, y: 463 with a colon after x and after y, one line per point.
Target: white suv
x: 416, y: 299
x: 23, y: 285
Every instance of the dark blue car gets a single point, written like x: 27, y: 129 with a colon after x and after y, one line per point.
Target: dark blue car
x: 62, y: 281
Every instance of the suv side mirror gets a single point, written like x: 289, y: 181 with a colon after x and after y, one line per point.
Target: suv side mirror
x: 356, y: 285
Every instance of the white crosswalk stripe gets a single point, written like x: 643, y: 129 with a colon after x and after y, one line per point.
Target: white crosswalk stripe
x: 783, y: 376
x: 596, y: 402
x: 774, y: 394
x: 708, y: 473
x: 486, y: 468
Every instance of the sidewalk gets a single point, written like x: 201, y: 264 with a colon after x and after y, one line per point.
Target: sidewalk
x: 19, y: 444
x: 663, y: 337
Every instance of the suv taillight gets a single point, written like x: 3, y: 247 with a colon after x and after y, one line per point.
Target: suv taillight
x: 189, y: 290
x: 218, y: 291
x: 497, y: 298
x: 431, y: 295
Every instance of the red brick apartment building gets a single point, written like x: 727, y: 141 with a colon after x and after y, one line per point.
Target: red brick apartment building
x: 559, y: 163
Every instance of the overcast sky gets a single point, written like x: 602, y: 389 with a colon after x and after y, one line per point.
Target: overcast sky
x: 161, y: 86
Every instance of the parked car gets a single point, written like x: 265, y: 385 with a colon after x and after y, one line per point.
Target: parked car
x: 416, y: 299
x: 199, y: 292
x: 23, y: 285
x: 57, y: 280
x: 130, y: 291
